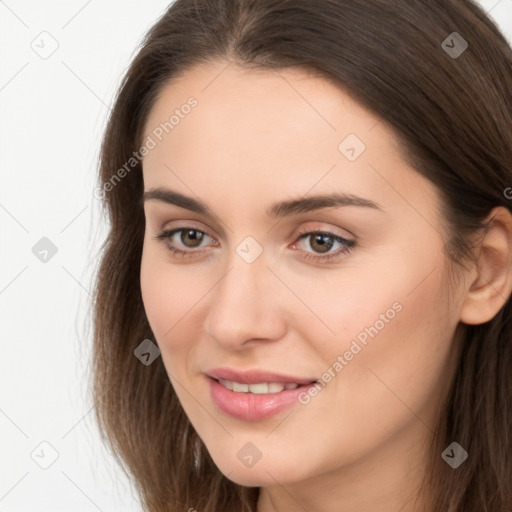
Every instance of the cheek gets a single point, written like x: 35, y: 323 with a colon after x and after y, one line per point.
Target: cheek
x: 396, y: 304
x: 173, y: 298
x: 153, y: 281
x: 164, y: 293
x: 393, y: 313
x: 394, y: 336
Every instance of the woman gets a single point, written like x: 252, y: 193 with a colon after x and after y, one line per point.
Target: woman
x: 304, y: 299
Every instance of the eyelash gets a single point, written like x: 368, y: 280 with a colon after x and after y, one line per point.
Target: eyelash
x: 349, y: 245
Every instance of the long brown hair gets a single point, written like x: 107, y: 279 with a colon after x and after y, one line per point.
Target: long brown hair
x: 453, y: 115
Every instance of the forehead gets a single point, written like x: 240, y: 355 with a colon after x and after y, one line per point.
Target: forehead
x: 266, y: 101
x: 252, y: 129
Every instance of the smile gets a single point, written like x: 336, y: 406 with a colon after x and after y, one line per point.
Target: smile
x: 262, y: 388
x: 256, y: 401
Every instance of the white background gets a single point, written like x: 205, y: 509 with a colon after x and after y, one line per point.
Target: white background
x: 53, y: 113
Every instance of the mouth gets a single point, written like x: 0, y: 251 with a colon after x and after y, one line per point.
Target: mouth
x: 237, y: 378
x: 255, y: 395
x: 260, y: 388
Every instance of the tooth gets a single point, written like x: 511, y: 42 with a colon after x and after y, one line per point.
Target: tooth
x: 226, y: 383
x: 258, y: 389
x: 241, y: 388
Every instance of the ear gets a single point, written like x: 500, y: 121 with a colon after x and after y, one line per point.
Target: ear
x: 491, y: 283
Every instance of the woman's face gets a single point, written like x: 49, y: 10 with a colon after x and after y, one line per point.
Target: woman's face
x: 311, y: 252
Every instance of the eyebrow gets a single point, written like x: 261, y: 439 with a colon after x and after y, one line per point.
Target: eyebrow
x: 277, y: 210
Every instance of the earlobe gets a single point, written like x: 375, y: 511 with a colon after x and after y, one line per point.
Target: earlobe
x: 492, y: 286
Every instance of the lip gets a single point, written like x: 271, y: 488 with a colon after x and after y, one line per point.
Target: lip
x: 256, y: 376
x: 250, y: 406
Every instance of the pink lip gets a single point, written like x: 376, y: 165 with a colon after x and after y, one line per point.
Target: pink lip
x: 249, y: 406
x: 255, y: 376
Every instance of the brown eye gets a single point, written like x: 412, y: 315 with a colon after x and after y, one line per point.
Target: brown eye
x: 320, y: 242
x: 191, y: 237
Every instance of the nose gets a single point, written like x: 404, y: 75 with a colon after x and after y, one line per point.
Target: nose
x: 246, y: 305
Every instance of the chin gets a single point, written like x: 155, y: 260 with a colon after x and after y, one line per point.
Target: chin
x: 260, y: 475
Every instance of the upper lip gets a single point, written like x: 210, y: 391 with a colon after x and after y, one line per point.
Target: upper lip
x: 255, y: 376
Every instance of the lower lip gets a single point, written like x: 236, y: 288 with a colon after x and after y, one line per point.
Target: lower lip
x: 250, y: 406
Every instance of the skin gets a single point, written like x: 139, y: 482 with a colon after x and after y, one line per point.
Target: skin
x: 256, y: 137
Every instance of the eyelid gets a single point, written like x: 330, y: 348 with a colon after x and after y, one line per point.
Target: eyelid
x: 184, y: 224
x: 317, y: 228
